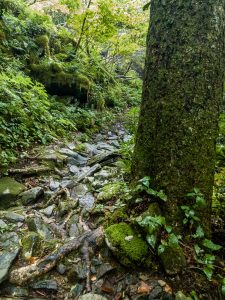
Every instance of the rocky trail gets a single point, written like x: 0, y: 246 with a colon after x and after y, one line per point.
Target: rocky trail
x: 53, y: 208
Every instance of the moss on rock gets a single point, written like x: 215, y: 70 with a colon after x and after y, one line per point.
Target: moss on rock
x: 173, y: 259
x: 110, y: 191
x: 31, y: 245
x: 126, y: 244
x: 9, y: 190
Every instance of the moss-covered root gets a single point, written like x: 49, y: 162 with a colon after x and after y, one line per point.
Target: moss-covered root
x: 126, y: 244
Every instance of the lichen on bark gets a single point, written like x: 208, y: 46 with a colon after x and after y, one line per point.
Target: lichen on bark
x: 182, y: 96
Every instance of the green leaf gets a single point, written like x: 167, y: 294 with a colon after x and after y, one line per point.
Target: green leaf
x: 161, y: 249
x: 146, y: 6
x: 199, y: 232
x: 208, y: 270
x: 151, y: 239
x: 200, y: 201
x: 168, y: 228
x: 198, y: 250
x: 223, y: 287
x: 210, y: 245
x: 173, y: 240
x: 162, y: 195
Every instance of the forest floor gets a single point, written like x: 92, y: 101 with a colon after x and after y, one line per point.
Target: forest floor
x: 52, y: 243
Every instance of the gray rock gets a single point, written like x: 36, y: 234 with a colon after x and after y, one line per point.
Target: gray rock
x: 105, y: 146
x: 91, y: 296
x: 10, y: 246
x: 54, y: 185
x: 13, y: 217
x: 37, y: 225
x: 87, y: 201
x: 61, y: 269
x: 48, y: 210
x: 31, y: 196
x: 74, y: 170
x: 67, y: 183
x: 30, y: 245
x: 79, y: 191
x: 115, y: 144
x: 15, y: 291
x: 75, y: 230
x: 127, y: 138
x: 104, y: 158
x: 9, y: 190
x: 3, y: 225
x: 74, y: 157
x: 45, y: 284
x: 104, y: 269
x: 91, y: 149
x: 77, y: 289
x: 89, y: 173
x: 155, y: 293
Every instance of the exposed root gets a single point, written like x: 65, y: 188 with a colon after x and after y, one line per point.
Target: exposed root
x: 44, y: 265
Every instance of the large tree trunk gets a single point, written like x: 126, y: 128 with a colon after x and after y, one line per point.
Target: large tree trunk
x: 182, y: 95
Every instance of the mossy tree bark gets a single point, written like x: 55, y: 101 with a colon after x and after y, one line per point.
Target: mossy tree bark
x: 182, y: 95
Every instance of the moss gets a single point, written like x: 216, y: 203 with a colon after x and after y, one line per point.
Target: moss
x: 31, y: 245
x: 153, y: 210
x: 119, y: 215
x: 173, y: 259
x: 126, y: 244
x: 43, y: 41
x: 9, y: 190
x: 110, y: 191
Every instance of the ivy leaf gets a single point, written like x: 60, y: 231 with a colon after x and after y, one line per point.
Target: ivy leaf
x: 210, y: 245
x: 162, y: 195
x: 208, y: 270
x: 173, y: 240
x: 146, y: 6
x: 199, y: 233
x: 168, y: 228
x: 151, y: 239
x: 200, y: 201
x: 197, y: 249
x: 161, y: 249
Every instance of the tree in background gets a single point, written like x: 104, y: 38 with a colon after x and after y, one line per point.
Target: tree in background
x: 182, y: 95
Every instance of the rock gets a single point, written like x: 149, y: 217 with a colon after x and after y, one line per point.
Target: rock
x: 161, y: 283
x: 91, y: 149
x: 104, y: 269
x: 89, y: 173
x: 31, y: 196
x: 31, y: 244
x: 67, y: 183
x: 111, y: 190
x: 13, y: 217
x: 87, y: 201
x: 9, y: 249
x: 52, y: 157
x: 91, y: 296
x: 61, y: 269
x: 115, y: 143
x: 77, y: 159
x: 77, y: 289
x: 127, y: 138
x: 48, y: 210
x: 180, y: 296
x: 78, y: 272
x: 15, y: 291
x: 173, y: 259
x: 75, y: 230
x: 155, y: 293
x: 105, y: 146
x: 37, y: 225
x: 9, y: 190
x: 79, y: 191
x: 104, y: 158
x: 74, y: 170
x: 106, y: 173
x: 3, y: 225
x: 45, y: 284
x: 129, y: 253
x: 65, y: 206
x: 54, y: 185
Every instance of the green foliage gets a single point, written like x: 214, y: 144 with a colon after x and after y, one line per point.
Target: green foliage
x: 144, y: 185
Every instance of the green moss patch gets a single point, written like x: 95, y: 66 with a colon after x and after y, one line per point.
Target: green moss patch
x: 126, y: 244
x: 9, y: 190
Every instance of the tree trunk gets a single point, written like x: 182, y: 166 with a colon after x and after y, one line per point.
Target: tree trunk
x: 182, y: 95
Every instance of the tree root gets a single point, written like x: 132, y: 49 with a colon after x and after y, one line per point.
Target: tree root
x: 44, y: 265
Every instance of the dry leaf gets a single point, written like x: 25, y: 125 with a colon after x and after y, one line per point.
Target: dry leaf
x: 168, y: 289
x: 144, y: 288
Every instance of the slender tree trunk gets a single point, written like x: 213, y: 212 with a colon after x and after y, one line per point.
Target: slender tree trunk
x: 182, y: 94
